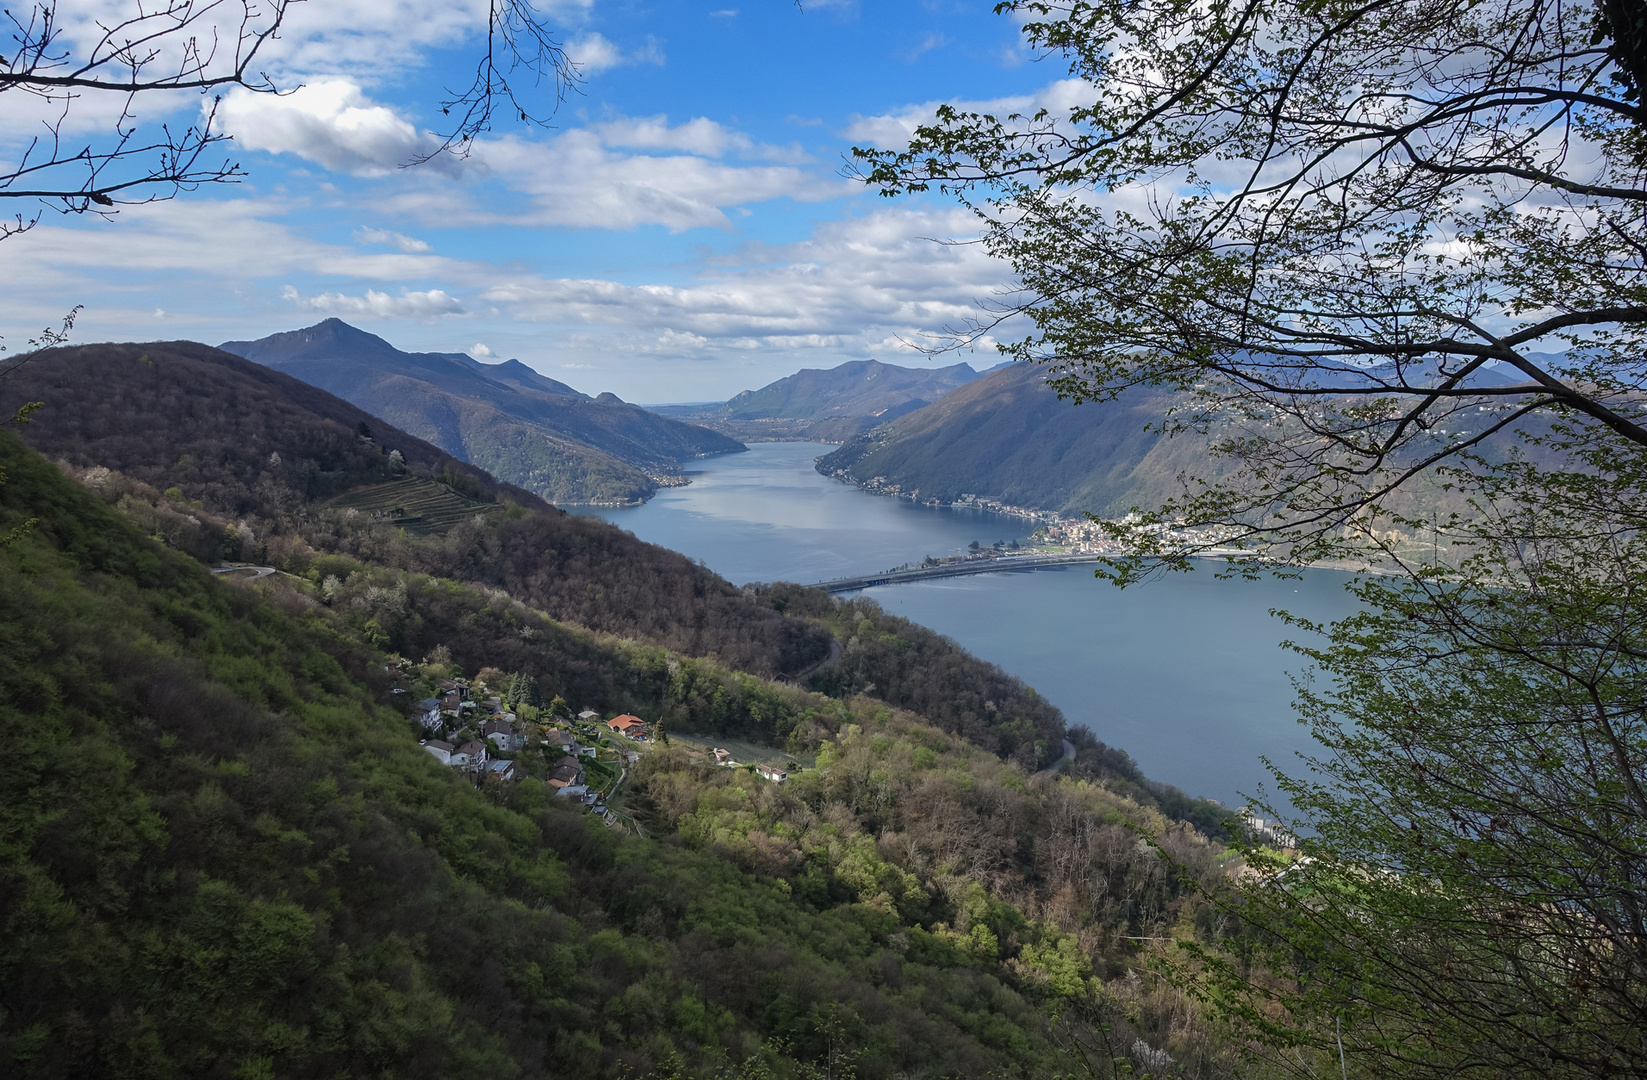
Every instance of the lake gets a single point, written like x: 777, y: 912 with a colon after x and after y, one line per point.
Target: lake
x: 1186, y: 673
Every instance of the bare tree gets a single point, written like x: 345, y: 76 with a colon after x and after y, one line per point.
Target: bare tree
x: 160, y: 48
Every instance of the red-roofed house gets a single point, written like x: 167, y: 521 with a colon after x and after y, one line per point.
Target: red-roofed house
x: 626, y: 724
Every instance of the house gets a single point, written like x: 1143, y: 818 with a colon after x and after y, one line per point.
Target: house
x: 565, y: 776
x: 589, y: 716
x: 452, y: 702
x: 471, y: 755
x: 562, y: 739
x: 573, y: 791
x: 626, y: 724
x: 441, y: 750
x: 427, y: 712
x: 777, y: 776
x: 722, y: 757
x: 503, y: 770
x: 500, y: 735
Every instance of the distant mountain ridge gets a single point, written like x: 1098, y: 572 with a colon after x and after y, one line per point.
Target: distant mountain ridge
x: 516, y: 423
x: 829, y: 404
x: 1007, y: 436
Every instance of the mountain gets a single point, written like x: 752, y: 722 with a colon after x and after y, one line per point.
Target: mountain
x: 520, y: 426
x: 227, y: 458
x: 1008, y: 437
x: 832, y: 405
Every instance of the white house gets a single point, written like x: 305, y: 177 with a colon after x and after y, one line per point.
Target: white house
x: 441, y: 750
x: 500, y: 734
x: 427, y: 712
x: 471, y: 755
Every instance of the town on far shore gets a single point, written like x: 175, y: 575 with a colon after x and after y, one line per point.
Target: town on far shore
x: 496, y: 729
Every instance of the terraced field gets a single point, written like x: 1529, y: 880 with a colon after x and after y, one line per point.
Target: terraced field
x: 416, y: 504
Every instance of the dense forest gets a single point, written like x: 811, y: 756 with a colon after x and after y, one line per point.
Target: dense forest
x: 251, y: 868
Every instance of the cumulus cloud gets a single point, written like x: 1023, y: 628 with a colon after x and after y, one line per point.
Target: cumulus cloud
x: 593, y: 53
x: 408, y: 244
x: 480, y: 351
x: 332, y: 123
x: 431, y: 304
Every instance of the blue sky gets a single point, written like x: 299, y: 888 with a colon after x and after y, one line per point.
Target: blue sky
x: 683, y: 232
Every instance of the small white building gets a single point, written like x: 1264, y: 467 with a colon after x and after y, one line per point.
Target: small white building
x: 441, y: 750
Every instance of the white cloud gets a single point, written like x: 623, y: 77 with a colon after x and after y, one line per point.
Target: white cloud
x: 376, y: 305
x: 577, y: 180
x: 408, y: 244
x: 593, y: 53
x: 856, y: 284
x: 892, y: 130
x: 332, y: 123
x: 480, y: 351
x: 697, y: 136
x: 223, y: 239
x: 724, y: 13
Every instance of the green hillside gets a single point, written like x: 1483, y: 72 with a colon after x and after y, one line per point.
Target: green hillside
x: 226, y: 856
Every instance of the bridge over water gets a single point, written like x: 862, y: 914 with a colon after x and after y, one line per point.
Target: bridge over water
x: 960, y: 569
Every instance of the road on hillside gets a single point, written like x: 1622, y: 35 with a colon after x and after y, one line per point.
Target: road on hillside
x: 834, y: 657
x: 1067, y: 759
x: 257, y: 571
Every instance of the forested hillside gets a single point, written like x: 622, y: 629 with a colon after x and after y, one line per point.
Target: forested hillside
x: 506, y: 418
x: 226, y: 857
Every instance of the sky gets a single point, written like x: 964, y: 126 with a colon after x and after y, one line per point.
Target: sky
x: 682, y: 231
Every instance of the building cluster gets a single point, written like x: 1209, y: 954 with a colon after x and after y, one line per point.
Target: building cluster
x: 453, y: 717
x: 455, y: 711
x: 1086, y: 536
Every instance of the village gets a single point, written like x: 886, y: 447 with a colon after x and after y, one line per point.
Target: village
x: 580, y: 757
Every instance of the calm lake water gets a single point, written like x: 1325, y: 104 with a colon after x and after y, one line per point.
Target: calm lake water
x: 1186, y: 674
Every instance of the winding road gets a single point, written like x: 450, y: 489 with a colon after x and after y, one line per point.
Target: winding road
x: 1067, y: 759
x: 257, y: 571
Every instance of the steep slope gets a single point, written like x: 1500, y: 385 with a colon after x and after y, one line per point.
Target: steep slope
x: 1007, y: 436
x: 521, y: 426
